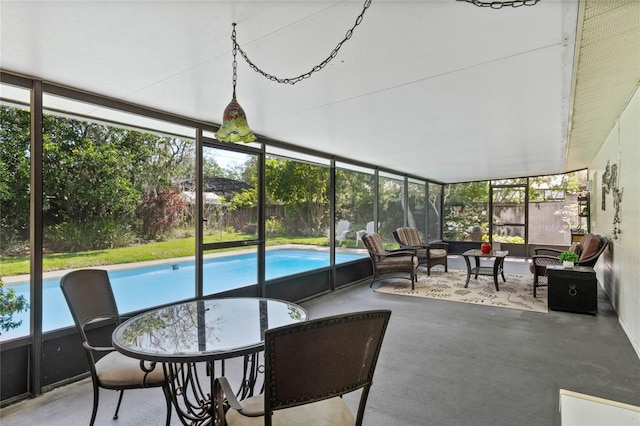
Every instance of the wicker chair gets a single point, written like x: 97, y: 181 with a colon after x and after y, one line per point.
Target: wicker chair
x: 387, y: 261
x: 431, y: 254
x: 589, y: 249
x: 308, y: 367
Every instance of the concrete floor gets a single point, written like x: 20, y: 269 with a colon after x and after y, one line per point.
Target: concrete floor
x: 442, y: 363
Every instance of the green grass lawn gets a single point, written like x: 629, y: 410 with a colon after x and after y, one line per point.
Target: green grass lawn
x: 181, y: 247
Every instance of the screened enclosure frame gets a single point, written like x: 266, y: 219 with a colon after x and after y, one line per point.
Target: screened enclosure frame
x: 201, y: 131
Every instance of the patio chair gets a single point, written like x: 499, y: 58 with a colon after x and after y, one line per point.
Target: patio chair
x: 387, y: 261
x: 589, y: 249
x: 90, y: 298
x: 369, y: 229
x: 308, y: 367
x: 431, y: 254
x: 341, y: 230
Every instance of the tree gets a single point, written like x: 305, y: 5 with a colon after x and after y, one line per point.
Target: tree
x: 465, y: 206
x: 95, y: 180
x: 302, y: 187
x: 354, y: 197
x: 14, y: 176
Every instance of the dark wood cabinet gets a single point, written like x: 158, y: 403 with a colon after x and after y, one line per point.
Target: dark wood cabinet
x: 572, y: 290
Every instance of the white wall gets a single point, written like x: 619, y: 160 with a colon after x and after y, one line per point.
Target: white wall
x: 621, y: 277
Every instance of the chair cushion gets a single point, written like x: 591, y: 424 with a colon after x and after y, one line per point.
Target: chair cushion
x: 331, y: 411
x: 395, y: 261
x: 437, y: 253
x: 115, y: 369
x: 590, y: 244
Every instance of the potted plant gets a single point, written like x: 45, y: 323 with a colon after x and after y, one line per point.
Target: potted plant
x: 568, y: 259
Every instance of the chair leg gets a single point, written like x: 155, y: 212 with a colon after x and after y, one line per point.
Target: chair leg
x: 375, y: 275
x: 115, y: 416
x: 96, y: 394
x: 413, y: 279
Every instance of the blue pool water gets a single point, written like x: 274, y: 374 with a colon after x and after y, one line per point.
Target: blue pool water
x: 136, y: 289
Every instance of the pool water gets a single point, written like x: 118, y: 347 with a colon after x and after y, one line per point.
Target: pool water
x: 142, y: 288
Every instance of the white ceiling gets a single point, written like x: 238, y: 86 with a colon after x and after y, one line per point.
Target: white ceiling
x: 436, y: 88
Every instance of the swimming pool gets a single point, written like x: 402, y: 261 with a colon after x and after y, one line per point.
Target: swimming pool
x: 141, y: 288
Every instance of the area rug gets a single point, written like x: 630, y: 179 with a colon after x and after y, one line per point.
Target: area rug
x: 515, y: 293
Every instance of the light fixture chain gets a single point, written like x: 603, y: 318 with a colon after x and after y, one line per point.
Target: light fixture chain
x: 501, y: 4
x: 316, y: 68
x: 235, y: 63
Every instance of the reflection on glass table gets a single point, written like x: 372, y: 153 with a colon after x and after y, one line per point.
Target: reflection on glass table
x: 182, y: 335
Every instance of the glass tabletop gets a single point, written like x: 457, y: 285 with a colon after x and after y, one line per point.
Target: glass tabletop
x: 204, y: 329
x: 492, y: 253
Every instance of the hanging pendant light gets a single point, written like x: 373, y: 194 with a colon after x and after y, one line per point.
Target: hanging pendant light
x: 234, y: 126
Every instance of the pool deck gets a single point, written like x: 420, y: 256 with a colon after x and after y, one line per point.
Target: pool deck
x: 442, y: 363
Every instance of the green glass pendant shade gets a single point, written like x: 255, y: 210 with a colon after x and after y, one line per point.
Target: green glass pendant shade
x: 234, y: 124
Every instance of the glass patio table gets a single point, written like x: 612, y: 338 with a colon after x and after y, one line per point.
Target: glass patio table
x: 185, y: 335
x: 497, y: 269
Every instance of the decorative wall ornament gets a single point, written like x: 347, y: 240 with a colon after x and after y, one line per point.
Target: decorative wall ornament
x: 611, y: 184
x: 606, y: 185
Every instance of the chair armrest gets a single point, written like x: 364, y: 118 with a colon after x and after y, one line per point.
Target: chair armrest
x: 547, y: 251
x: 98, y: 348
x: 400, y: 252
x: 439, y: 245
x: 222, y: 390
x: 393, y: 252
x: 544, y: 260
x: 416, y: 247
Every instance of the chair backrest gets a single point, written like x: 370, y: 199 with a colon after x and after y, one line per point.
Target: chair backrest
x: 322, y: 358
x: 591, y: 247
x: 407, y: 236
x: 343, y: 226
x: 373, y: 243
x: 370, y: 227
x: 90, y: 297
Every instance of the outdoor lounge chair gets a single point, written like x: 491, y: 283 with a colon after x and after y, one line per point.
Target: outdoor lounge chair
x: 308, y: 367
x: 589, y: 249
x: 341, y: 230
x: 90, y: 298
x: 387, y: 261
x: 369, y: 229
x: 431, y: 254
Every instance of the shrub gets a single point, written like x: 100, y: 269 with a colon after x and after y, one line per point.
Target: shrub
x: 504, y: 239
x: 273, y: 226
x: 10, y: 303
x: 160, y: 213
x: 95, y: 234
